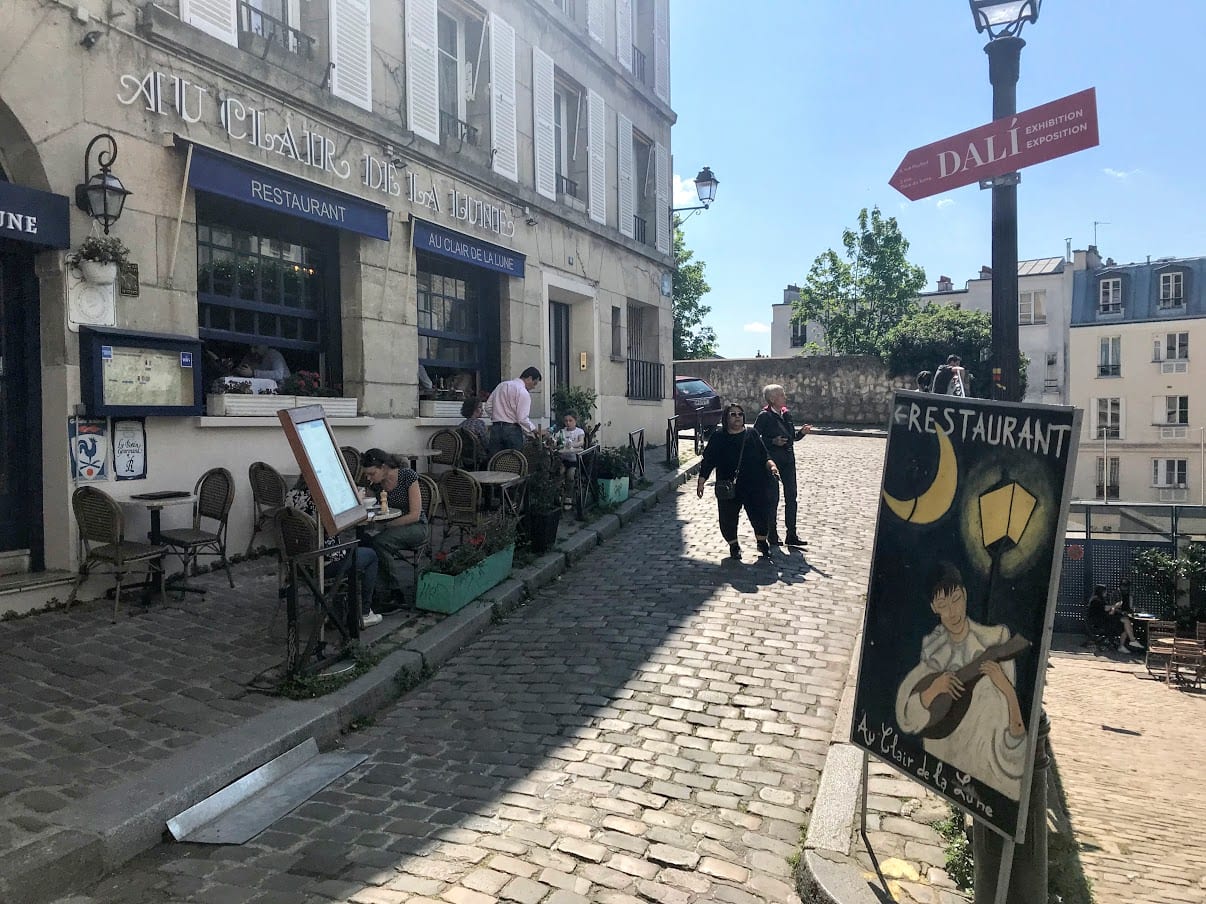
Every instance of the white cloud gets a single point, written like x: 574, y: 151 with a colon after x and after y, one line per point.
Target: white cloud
x: 757, y: 327
x: 684, y: 191
x: 945, y: 202
x: 1120, y: 174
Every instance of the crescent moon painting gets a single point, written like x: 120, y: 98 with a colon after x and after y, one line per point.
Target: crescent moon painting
x: 936, y: 500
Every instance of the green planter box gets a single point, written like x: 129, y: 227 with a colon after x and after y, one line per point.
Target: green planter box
x: 613, y: 492
x: 450, y: 592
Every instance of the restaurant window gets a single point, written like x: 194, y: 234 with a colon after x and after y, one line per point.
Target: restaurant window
x: 1107, y: 477
x: 265, y: 279
x: 457, y: 324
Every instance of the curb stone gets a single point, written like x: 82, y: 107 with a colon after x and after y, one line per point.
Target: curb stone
x: 111, y: 826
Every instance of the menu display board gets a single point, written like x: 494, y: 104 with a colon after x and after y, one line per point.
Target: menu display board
x: 138, y: 374
x: 322, y: 466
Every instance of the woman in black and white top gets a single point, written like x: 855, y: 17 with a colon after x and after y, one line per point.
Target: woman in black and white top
x: 401, y: 487
x: 736, y: 453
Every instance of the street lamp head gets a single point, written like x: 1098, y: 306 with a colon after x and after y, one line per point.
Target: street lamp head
x: 101, y: 195
x: 1004, y: 18
x: 705, y: 186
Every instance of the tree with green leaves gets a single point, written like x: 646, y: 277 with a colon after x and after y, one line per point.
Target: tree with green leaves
x: 691, y: 338
x: 856, y: 300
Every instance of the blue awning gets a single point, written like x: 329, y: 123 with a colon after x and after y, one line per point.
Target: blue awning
x: 467, y: 249
x: 233, y: 177
x: 32, y: 216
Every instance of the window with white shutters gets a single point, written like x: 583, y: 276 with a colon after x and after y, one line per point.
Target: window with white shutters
x: 422, y: 93
x: 596, y: 139
x: 216, y: 18
x: 624, y: 33
x: 569, y: 139
x: 662, y: 209
x: 624, y: 165
x: 544, y: 124
x: 351, y: 52
x: 503, y: 126
x: 645, y: 189
x: 661, y: 49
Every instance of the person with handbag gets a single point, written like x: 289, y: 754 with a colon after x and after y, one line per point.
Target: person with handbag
x: 744, y: 472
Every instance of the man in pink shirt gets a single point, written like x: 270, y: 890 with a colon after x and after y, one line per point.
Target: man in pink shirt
x: 509, y: 405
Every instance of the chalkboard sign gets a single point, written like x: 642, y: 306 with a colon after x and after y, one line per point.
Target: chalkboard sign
x: 323, y: 467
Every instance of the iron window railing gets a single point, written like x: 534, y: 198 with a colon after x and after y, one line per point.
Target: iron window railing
x: 457, y: 129
x: 567, y: 186
x: 275, y: 31
x: 638, y: 228
x: 646, y: 380
x: 638, y: 64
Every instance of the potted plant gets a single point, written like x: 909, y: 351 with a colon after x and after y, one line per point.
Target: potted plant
x: 579, y: 401
x: 612, y: 472
x: 98, y: 258
x: 457, y: 577
x: 543, y: 515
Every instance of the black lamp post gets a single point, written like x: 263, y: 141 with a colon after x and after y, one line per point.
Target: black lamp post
x: 101, y: 195
x: 1003, y: 20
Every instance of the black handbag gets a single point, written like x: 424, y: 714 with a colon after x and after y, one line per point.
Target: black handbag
x: 727, y: 489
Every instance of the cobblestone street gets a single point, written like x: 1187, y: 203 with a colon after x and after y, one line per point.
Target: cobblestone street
x: 651, y: 727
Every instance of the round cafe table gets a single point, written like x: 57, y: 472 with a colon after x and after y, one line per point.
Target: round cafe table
x: 1140, y: 621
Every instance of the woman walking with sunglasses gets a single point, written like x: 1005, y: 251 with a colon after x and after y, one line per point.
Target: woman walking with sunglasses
x: 744, y: 473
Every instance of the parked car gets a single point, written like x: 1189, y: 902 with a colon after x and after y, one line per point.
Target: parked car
x: 696, y: 403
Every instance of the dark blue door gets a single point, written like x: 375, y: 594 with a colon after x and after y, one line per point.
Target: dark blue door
x: 18, y: 303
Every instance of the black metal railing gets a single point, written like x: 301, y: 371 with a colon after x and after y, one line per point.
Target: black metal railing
x: 457, y: 129
x: 567, y: 186
x: 256, y: 22
x: 646, y: 380
x: 638, y: 228
x: 636, y: 442
x: 672, y: 441
x: 1109, y: 370
x: 638, y: 64
x: 1107, y: 492
x: 1109, y: 433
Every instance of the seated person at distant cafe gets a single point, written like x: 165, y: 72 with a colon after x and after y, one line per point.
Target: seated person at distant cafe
x: 570, y: 440
x: 386, y: 474
x: 1110, y: 619
x: 471, y: 411
x: 263, y: 362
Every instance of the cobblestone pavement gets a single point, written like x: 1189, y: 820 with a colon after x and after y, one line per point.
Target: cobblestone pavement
x: 650, y: 728
x: 1129, y: 754
x: 87, y: 702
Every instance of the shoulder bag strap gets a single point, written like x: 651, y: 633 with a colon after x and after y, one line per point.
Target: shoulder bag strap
x: 744, y: 435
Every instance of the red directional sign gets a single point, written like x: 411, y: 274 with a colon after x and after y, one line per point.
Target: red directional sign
x: 1052, y: 130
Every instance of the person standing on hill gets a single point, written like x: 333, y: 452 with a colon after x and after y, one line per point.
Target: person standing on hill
x: 779, y: 434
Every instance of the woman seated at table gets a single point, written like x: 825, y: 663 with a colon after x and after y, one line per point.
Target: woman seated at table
x: 340, y: 563
x: 1110, y: 619
x: 385, y: 473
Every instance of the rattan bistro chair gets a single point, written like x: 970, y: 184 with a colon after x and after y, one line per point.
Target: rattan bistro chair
x: 461, y: 497
x: 268, y: 492
x: 473, y: 454
x: 514, y: 462
x: 414, y: 556
x: 103, y: 532
x: 215, y: 494
x: 448, y: 444
x: 351, y: 456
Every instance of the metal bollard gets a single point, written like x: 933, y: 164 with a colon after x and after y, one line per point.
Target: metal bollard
x: 1028, y: 878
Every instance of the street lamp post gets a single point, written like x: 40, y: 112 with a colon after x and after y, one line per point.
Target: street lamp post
x: 1003, y: 21
x: 705, y: 188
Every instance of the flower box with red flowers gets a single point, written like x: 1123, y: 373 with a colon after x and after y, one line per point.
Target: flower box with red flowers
x: 457, y: 577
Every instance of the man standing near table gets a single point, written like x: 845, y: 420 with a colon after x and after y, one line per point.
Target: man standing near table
x: 510, y: 404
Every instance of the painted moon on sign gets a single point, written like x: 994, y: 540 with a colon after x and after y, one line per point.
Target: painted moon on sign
x: 935, y: 501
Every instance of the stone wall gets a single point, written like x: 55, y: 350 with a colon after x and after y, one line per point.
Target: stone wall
x: 851, y: 389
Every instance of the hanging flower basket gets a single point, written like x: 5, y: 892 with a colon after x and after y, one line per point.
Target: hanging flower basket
x: 97, y: 273
x: 98, y: 258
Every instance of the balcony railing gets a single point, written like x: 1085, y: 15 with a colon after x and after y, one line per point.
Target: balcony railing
x: 638, y: 65
x: 638, y: 228
x: 1112, y: 491
x: 567, y: 186
x: 256, y: 22
x: 457, y: 129
x: 1109, y: 370
x: 646, y: 380
x: 1109, y: 433
x: 1172, y: 301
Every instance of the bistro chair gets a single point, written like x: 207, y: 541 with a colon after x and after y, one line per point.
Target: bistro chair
x: 215, y: 493
x: 514, y: 462
x: 1185, y: 662
x: 1161, y: 640
x: 448, y: 444
x: 461, y: 497
x: 298, y: 535
x: 473, y: 454
x: 351, y: 455
x: 103, y: 532
x: 414, y: 556
x: 268, y: 497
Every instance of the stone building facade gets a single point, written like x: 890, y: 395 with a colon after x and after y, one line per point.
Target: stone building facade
x: 365, y: 187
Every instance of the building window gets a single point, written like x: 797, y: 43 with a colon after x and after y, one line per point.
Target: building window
x: 1109, y: 418
x: 1032, y: 307
x: 1176, y: 347
x: 799, y: 333
x: 1051, y: 381
x: 617, y: 334
x: 1109, y: 299
x: 1107, y: 477
x: 1176, y: 409
x: 1172, y: 290
x: 646, y: 375
x: 644, y: 187
x: 1109, y: 356
x: 276, y: 22
x: 459, y: 40
x: 457, y: 323
x: 568, y: 138
x: 1169, y: 472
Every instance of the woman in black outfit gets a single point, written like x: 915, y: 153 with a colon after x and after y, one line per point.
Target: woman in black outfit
x: 737, y: 445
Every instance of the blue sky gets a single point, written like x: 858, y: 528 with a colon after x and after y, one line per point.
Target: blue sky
x: 804, y: 108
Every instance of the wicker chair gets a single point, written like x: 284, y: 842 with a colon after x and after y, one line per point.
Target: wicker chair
x: 430, y: 493
x: 103, y: 531
x: 461, y: 497
x: 1161, y: 636
x: 298, y: 534
x: 268, y: 497
x: 448, y: 444
x: 514, y: 462
x: 473, y: 454
x: 215, y: 494
x: 351, y: 455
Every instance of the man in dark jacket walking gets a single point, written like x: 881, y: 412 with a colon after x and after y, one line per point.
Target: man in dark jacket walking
x: 779, y: 434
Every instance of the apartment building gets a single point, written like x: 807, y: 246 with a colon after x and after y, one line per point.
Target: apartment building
x: 363, y: 187
x: 791, y: 336
x: 1134, y: 331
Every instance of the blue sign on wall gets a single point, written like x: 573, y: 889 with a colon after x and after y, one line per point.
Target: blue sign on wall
x: 32, y: 216
x: 458, y: 246
x: 231, y: 177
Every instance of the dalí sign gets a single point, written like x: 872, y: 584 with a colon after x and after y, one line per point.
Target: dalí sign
x: 1052, y: 130
x: 962, y: 596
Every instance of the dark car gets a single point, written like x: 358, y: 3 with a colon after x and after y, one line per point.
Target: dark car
x: 696, y: 403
